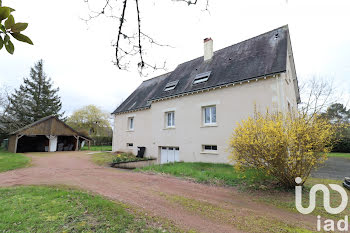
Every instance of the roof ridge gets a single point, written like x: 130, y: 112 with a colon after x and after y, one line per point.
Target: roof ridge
x: 239, y: 42
x: 157, y: 76
x: 254, y: 37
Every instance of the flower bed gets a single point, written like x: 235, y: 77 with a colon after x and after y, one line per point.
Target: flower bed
x: 126, y: 158
x: 135, y: 164
x: 130, y: 161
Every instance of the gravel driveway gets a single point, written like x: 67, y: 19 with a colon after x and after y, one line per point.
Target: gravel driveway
x: 335, y: 168
x: 152, y: 193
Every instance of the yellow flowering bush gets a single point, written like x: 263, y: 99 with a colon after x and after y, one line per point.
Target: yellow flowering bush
x: 285, y: 146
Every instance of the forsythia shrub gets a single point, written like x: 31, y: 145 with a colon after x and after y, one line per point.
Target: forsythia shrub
x: 286, y: 146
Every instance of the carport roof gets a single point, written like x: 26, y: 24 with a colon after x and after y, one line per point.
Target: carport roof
x: 46, y: 119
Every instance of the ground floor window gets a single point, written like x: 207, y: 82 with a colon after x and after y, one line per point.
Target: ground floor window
x: 209, y: 148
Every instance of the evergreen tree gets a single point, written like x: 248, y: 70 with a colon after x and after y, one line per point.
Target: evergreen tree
x: 339, y: 116
x: 36, y: 98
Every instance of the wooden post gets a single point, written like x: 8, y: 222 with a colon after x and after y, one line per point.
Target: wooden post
x: 89, y: 144
x: 16, y: 142
x: 77, y: 143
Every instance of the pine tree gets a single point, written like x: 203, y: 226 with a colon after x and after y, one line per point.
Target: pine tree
x: 36, y: 98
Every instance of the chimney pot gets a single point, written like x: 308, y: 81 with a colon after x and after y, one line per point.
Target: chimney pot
x: 208, y: 49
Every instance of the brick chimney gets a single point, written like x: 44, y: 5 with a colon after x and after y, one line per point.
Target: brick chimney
x: 208, y: 49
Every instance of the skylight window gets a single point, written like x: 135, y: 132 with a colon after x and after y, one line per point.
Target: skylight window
x: 201, y: 78
x: 171, y: 85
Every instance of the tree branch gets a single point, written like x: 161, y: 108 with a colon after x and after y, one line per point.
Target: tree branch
x: 120, y: 33
x: 129, y: 44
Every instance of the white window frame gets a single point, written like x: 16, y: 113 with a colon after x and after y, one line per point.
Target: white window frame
x: 172, y: 119
x: 171, y: 85
x: 131, y: 123
x: 211, y: 149
x: 211, y: 122
x: 201, y: 78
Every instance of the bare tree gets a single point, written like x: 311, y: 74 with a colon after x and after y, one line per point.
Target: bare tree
x: 318, y: 93
x: 130, y: 44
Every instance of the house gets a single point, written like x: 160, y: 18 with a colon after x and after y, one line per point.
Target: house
x: 47, y: 134
x: 189, y: 114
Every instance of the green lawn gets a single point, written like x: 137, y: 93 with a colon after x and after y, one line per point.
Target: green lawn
x: 103, y: 158
x: 210, y: 173
x: 10, y: 161
x: 268, y: 193
x: 286, y: 200
x: 344, y: 155
x: 97, y: 148
x: 53, y: 209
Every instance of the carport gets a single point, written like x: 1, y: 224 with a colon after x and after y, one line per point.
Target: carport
x: 48, y: 134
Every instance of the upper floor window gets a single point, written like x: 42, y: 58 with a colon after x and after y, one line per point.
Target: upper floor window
x: 209, y: 115
x: 170, y: 119
x: 171, y: 85
x: 201, y: 78
x: 131, y: 123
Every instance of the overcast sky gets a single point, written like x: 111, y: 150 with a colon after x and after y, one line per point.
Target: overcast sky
x: 78, y: 56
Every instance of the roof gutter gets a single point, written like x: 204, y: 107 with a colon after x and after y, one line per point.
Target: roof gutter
x: 219, y: 86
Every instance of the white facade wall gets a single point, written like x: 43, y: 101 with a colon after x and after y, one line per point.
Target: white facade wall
x: 233, y: 104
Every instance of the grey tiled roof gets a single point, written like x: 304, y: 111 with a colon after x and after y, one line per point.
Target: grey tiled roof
x: 260, y: 56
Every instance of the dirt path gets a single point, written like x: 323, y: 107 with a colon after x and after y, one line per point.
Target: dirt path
x: 189, y: 205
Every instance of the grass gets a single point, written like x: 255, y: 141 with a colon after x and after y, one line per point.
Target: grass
x: 242, y: 219
x: 106, y: 158
x: 11, y: 161
x: 251, y: 181
x: 343, y: 155
x: 211, y: 173
x: 97, y: 148
x: 57, y: 209
x: 103, y: 158
x: 286, y: 200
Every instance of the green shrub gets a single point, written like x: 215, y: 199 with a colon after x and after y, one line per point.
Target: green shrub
x: 102, y: 140
x: 285, y: 146
x: 343, y: 140
x: 127, y: 157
